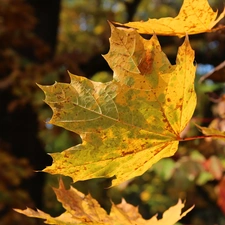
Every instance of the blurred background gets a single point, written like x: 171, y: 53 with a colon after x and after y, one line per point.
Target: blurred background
x: 40, y: 40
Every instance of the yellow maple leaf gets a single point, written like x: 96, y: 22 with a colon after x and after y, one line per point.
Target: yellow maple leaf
x: 83, y: 209
x: 195, y: 16
x: 133, y: 121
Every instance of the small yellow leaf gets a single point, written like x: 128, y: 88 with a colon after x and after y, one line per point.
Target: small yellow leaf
x: 212, y: 132
x: 81, y: 209
x: 173, y: 214
x: 127, y: 214
x: 131, y: 122
x: 195, y: 16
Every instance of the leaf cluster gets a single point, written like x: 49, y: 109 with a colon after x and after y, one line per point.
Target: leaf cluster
x: 130, y: 123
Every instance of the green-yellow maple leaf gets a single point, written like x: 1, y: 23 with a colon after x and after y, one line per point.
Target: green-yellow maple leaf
x: 81, y: 209
x: 131, y: 122
x: 195, y: 16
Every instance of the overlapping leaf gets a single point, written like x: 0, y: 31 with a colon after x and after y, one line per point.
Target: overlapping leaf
x: 81, y: 209
x: 133, y: 121
x: 195, y: 16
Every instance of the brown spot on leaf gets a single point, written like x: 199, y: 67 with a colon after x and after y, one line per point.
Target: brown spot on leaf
x: 145, y: 65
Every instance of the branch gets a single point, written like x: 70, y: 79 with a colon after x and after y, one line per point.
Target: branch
x: 202, y: 137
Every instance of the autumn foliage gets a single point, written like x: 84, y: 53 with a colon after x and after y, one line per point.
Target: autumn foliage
x: 141, y: 103
x: 130, y: 123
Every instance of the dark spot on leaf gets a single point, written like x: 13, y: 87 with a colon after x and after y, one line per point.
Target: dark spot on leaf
x: 66, y: 156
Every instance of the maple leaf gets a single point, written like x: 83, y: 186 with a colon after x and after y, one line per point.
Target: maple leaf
x: 133, y: 121
x: 81, y: 209
x: 195, y: 16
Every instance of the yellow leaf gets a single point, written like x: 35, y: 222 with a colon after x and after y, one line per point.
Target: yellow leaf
x: 81, y: 209
x: 195, y: 16
x: 63, y: 219
x: 131, y: 122
x: 212, y: 132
